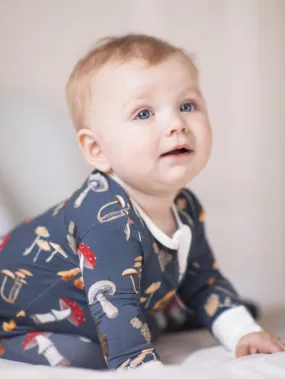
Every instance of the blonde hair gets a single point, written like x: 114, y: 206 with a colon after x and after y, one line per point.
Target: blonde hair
x: 110, y: 49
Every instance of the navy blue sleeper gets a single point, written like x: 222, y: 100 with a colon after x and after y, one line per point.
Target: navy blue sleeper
x: 86, y: 284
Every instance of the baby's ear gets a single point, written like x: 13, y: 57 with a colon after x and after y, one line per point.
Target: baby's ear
x: 89, y: 143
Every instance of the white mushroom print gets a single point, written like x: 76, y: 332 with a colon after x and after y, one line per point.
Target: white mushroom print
x: 45, y: 347
x: 87, y: 257
x: 138, y: 323
x: 110, y: 211
x: 57, y: 250
x: 84, y: 339
x: 130, y: 272
x: 97, y: 183
x: 71, y: 237
x: 98, y: 292
x: 41, y: 232
x: 213, y: 304
x: 14, y: 281
x: 127, y: 229
x: 69, y: 310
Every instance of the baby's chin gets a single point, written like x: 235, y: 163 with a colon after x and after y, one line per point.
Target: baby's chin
x: 177, y: 177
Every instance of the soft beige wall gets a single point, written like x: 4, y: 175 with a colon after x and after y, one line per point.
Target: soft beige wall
x: 240, y: 54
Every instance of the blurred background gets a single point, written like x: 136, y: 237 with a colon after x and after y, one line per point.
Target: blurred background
x: 240, y: 51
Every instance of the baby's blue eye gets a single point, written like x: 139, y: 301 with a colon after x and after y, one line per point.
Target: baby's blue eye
x: 187, y: 107
x: 144, y: 114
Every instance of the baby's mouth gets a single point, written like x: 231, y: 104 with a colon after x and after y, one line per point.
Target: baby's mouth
x: 184, y: 151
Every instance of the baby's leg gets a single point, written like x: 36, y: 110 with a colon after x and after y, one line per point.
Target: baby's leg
x: 53, y: 349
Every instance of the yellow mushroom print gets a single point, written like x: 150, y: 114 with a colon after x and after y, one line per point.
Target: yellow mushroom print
x: 202, y: 216
x: 69, y: 274
x: 213, y: 304
x: 110, y: 211
x: 181, y: 204
x: 21, y: 313
x: 14, y: 281
x: 41, y: 232
x: 9, y: 326
x: 42, y: 246
x: 138, y: 265
x: 211, y: 281
x: 151, y: 290
x: 139, y: 360
x: 57, y: 250
x: 162, y: 303
x: 79, y: 283
x: 215, y: 265
x: 130, y: 272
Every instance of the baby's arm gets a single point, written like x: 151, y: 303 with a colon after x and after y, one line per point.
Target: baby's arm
x: 208, y: 292
x: 112, y: 284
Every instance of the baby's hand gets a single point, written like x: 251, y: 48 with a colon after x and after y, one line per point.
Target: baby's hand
x: 259, y: 342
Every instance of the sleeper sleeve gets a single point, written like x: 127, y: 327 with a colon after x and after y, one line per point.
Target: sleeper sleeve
x: 111, y: 263
x: 206, y: 291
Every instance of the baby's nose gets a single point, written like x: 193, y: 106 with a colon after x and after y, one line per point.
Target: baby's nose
x: 177, y: 126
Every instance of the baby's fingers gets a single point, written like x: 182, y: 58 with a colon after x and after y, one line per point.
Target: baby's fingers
x: 282, y: 345
x: 270, y: 346
x: 242, y: 350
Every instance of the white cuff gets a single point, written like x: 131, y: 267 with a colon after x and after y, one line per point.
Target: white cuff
x: 233, y: 324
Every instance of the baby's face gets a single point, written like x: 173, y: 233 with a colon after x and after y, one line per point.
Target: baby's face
x: 152, y: 123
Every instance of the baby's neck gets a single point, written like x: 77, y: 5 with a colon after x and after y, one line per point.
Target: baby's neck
x: 158, y: 208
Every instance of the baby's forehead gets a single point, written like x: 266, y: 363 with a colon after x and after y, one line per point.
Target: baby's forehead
x: 138, y: 75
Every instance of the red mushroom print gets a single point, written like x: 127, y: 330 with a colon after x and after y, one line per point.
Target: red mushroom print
x: 4, y: 241
x: 45, y: 347
x: 87, y: 257
x: 69, y: 310
x: 76, y: 313
x: 2, y: 350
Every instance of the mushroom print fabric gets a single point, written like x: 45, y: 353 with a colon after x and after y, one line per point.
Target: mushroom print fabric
x: 90, y: 275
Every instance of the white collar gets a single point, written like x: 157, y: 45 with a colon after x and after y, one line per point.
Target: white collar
x: 181, y: 240
x: 164, y: 239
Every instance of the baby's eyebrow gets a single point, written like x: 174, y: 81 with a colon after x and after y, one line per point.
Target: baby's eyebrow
x: 137, y: 97
x: 192, y: 90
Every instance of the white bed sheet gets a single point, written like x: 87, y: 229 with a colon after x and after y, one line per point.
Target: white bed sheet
x: 186, y: 355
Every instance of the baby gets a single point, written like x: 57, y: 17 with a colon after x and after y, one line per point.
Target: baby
x: 91, y: 282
